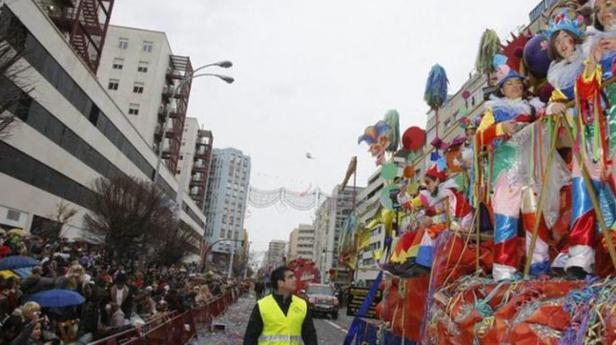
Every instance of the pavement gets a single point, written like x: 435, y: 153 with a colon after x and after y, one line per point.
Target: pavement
x: 329, y: 332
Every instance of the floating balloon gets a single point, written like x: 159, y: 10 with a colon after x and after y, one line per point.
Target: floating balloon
x: 389, y: 171
x: 413, y: 139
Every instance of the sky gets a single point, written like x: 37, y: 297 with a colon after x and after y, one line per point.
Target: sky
x: 311, y: 75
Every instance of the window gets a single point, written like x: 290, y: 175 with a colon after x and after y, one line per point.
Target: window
x: 133, y: 109
x: 138, y: 87
x: 147, y: 46
x: 143, y: 67
x: 123, y: 43
x: 113, y: 84
x: 118, y: 63
x: 13, y: 215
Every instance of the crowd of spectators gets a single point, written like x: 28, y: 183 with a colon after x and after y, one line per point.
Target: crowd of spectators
x: 119, y: 294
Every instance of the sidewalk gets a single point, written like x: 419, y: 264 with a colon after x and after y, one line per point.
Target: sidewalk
x: 234, y: 320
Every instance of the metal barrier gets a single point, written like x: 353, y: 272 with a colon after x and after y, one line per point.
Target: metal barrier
x: 176, y: 329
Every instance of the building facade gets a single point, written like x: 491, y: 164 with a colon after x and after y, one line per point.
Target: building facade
x: 69, y: 132
x: 142, y: 75
x: 276, y: 254
x: 301, y: 242
x: 226, y: 199
x: 329, y: 222
x: 369, y: 204
x: 201, y: 168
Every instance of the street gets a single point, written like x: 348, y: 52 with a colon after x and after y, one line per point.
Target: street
x: 329, y: 332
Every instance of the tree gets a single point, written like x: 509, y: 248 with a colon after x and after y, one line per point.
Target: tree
x: 130, y: 214
x: 13, y: 84
x: 50, y: 229
x: 173, y: 243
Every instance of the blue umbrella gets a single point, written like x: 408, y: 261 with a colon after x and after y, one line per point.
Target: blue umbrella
x: 23, y: 272
x: 14, y: 262
x: 57, y: 298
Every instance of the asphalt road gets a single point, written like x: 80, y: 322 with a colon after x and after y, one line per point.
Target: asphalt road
x: 332, y: 332
x: 329, y: 332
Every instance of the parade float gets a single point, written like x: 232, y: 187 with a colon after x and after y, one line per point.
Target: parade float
x: 506, y: 236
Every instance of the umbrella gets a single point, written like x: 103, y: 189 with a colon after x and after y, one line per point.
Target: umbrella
x: 13, y: 262
x: 23, y: 272
x: 57, y: 298
x: 6, y: 274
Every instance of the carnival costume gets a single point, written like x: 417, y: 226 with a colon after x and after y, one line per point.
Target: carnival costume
x: 448, y: 209
x: 562, y: 75
x: 512, y: 193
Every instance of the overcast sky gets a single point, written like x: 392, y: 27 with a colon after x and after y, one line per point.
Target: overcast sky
x: 311, y: 75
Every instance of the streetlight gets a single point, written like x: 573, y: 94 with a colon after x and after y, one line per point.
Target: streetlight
x: 207, y: 250
x: 187, y: 78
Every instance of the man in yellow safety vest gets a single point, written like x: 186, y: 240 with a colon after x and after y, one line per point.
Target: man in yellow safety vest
x: 281, y: 318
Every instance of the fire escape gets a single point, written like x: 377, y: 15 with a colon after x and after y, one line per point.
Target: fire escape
x: 168, y: 136
x: 84, y: 24
x: 201, y: 168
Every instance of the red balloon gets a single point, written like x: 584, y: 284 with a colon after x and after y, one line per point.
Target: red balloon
x: 466, y: 94
x: 413, y: 138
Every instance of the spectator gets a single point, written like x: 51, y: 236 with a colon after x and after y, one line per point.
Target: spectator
x: 122, y: 295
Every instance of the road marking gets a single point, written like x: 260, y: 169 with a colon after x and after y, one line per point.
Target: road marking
x: 336, y: 326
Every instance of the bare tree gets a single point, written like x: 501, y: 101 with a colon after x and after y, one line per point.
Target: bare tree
x: 175, y: 243
x: 51, y: 230
x: 130, y: 214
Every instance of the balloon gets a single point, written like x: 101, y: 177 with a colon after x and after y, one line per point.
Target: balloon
x: 413, y: 139
x: 389, y: 171
x: 409, y: 171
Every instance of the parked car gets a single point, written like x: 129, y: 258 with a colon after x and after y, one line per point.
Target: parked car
x: 322, y: 300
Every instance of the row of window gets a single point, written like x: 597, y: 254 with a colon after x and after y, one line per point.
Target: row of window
x: 147, y: 46
x: 118, y: 63
x: 27, y: 169
x: 36, y: 116
x: 40, y: 59
x: 114, y: 84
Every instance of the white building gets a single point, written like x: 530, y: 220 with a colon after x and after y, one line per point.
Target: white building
x: 69, y: 132
x: 368, y: 207
x: 276, y: 254
x: 321, y: 228
x: 328, y: 226
x: 226, y: 198
x: 187, y: 153
x: 141, y: 73
x: 301, y: 242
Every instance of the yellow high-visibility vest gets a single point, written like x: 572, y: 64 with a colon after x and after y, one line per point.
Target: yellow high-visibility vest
x: 279, y: 329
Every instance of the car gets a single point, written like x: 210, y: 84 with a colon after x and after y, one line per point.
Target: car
x: 322, y: 300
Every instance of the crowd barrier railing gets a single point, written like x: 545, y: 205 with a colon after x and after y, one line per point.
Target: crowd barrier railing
x: 177, y: 329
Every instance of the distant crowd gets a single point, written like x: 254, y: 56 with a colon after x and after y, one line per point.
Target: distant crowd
x: 117, y: 295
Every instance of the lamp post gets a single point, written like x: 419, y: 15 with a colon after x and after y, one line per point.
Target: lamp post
x: 207, y: 250
x: 176, y: 88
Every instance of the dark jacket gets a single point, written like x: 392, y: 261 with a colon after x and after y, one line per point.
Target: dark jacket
x: 255, y: 324
x: 88, y: 322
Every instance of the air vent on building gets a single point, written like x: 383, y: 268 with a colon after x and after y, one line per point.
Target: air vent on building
x: 13, y: 215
